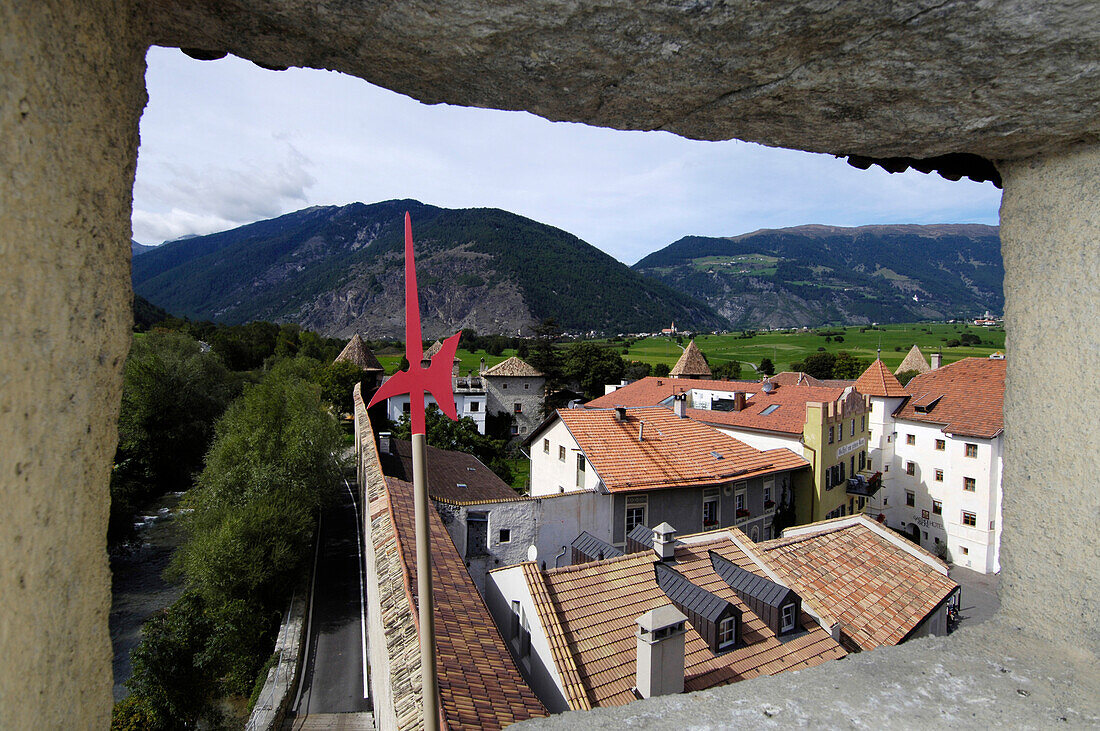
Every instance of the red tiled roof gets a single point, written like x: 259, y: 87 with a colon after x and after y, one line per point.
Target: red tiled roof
x: 479, y: 684
x: 878, y: 591
x: 652, y: 390
x: 591, y: 611
x: 672, y: 452
x: 789, y: 418
x: 447, y: 470
x: 971, y: 398
x: 877, y: 380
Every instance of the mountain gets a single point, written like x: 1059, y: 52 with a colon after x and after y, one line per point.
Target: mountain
x: 137, y: 249
x: 813, y: 275
x: 339, y: 270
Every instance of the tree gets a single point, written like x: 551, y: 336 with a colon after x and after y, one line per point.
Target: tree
x: 661, y: 370
x: 847, y: 367
x: 636, y: 370
x: 767, y: 367
x: 337, y: 381
x: 818, y: 365
x: 728, y: 371
x: 543, y: 356
x: 459, y: 436
x: 905, y: 376
x: 592, y: 367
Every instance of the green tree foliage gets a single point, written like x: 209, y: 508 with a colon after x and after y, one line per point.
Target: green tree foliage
x: 905, y: 376
x: 172, y: 392
x: 847, y: 367
x: 728, y: 371
x: 459, y: 436
x: 543, y: 356
x: 337, y: 381
x: 592, y: 367
x: 818, y: 365
x: 636, y: 370
x: 661, y: 369
x: 767, y: 367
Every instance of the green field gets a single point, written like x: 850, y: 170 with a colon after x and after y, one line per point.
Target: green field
x: 470, y: 361
x: 786, y: 348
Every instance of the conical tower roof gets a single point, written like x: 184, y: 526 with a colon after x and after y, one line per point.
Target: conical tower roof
x: 514, y: 366
x: 877, y: 380
x: 914, y: 361
x: 358, y: 353
x: 692, y: 364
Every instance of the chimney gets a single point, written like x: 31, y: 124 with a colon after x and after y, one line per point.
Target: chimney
x: 384, y: 442
x: 664, y: 541
x: 641, y: 431
x: 620, y: 413
x: 659, y: 669
x: 679, y: 405
x: 937, y: 360
x: 738, y: 400
x: 482, y: 365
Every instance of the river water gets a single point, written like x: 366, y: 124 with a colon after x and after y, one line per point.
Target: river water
x: 138, y: 588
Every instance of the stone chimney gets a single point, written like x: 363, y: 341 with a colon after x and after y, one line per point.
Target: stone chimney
x: 937, y: 360
x: 664, y: 541
x: 738, y: 400
x: 679, y: 405
x: 660, y: 664
x: 384, y: 442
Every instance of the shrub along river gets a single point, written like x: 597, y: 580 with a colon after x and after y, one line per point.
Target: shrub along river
x: 138, y: 588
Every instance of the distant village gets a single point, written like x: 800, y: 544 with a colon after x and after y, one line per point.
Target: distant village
x: 680, y: 532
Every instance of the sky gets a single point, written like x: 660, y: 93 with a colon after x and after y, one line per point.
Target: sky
x: 225, y: 143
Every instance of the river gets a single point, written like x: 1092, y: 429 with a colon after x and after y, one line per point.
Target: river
x: 138, y: 588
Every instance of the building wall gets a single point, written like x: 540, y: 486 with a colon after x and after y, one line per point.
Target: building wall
x: 831, y: 500
x: 504, y: 392
x: 881, y: 453
x: 502, y: 588
x: 467, y: 405
x: 981, y: 541
x: 550, y: 473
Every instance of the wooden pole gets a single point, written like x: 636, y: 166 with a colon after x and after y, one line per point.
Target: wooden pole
x: 430, y: 687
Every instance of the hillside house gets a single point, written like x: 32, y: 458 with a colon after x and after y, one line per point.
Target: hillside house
x: 650, y: 465
x: 516, y: 388
x: 712, y: 609
x: 940, y: 443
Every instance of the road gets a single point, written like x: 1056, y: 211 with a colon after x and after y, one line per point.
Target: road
x: 332, y: 674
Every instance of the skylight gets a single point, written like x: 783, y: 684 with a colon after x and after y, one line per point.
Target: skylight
x: 770, y: 410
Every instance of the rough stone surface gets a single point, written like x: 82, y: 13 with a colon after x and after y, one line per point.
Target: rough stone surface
x: 71, y: 91
x: 1050, y: 549
x: 987, y: 677
x: 918, y: 78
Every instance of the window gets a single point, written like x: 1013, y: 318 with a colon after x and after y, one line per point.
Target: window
x: 971, y: 450
x: 910, y: 498
x: 505, y: 535
x: 525, y: 639
x: 937, y: 507
x: 863, y: 423
x: 769, y: 410
x: 406, y: 407
x: 965, y: 550
x: 852, y: 465
x: 504, y: 386
x: 580, y: 469
x: 910, y: 468
x: 710, y: 508
x: 969, y: 484
x: 852, y: 431
x: 862, y: 459
x: 841, y: 472
x: 739, y: 501
x: 561, y: 453
x: 514, y: 430
x: 831, y: 438
x: 910, y: 439
x: 517, y: 408
x: 992, y: 524
x: 768, y: 499
x: 546, y: 446
x: 526, y: 386
x: 477, y: 534
x: 939, y: 476
x: 515, y: 620
x: 970, y: 519
x: 727, y: 632
x: 940, y: 445
x: 475, y: 406
x: 635, y: 511
x: 829, y: 479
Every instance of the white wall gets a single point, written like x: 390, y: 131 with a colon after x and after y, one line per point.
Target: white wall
x: 551, y: 475
x: 881, y: 454
x: 395, y: 407
x: 763, y: 440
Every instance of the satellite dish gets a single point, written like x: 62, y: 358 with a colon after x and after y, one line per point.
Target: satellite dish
x: 532, y: 553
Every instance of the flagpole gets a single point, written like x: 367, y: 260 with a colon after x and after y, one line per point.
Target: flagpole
x: 429, y: 686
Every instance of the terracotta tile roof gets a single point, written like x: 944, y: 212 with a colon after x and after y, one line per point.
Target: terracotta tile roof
x: 673, y: 452
x: 795, y: 378
x: 692, y: 363
x: 789, y: 418
x: 594, y: 605
x: 970, y: 392
x: 652, y: 390
x: 446, y: 471
x: 479, y: 684
x: 878, y: 591
x: 358, y: 353
x: 914, y: 361
x: 514, y: 367
x: 877, y: 380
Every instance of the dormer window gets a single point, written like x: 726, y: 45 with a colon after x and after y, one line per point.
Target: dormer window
x: 788, y: 614
x: 727, y: 633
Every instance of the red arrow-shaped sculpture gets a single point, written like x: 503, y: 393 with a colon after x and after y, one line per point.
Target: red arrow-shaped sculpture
x: 417, y: 381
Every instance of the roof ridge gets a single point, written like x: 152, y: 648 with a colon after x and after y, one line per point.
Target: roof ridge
x: 572, y: 686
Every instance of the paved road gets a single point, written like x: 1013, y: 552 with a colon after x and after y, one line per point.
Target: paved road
x: 979, y: 595
x: 332, y: 675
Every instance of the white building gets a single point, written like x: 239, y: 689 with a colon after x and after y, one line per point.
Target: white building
x: 469, y: 394
x: 940, y: 442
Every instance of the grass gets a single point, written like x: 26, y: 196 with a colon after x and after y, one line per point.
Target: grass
x: 521, y: 474
x: 471, y: 361
x: 786, y: 348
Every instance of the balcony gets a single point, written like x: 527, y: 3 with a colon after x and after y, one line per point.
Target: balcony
x: 864, y: 484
